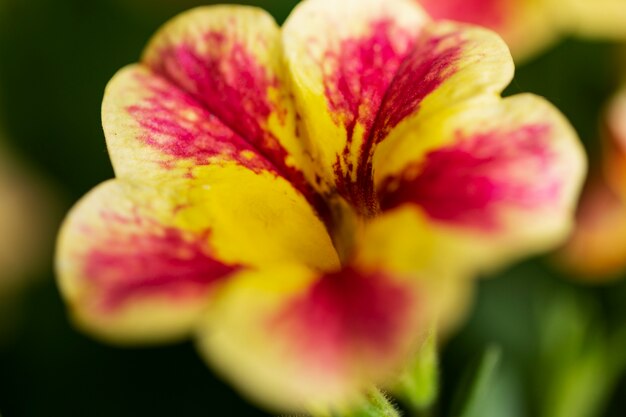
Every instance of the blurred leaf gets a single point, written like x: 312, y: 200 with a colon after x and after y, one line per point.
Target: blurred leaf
x: 419, y: 385
x: 575, y: 376
x: 476, y: 385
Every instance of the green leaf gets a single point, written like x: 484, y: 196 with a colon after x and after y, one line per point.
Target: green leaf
x: 476, y: 385
x: 419, y: 385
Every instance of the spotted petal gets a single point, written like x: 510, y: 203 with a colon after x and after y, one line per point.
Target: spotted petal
x: 363, y: 69
x: 138, y: 263
x: 295, y: 339
x: 503, y: 173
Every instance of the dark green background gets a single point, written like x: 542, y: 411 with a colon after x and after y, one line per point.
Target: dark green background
x: 56, y: 57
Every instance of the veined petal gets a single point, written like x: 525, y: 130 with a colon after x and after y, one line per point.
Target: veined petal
x: 506, y: 172
x: 138, y: 264
x: 596, y: 251
x: 363, y: 69
x: 229, y: 58
x: 342, y: 59
x: 294, y: 339
x: 210, y: 90
x: 526, y: 26
x: 157, y: 132
x: 127, y: 272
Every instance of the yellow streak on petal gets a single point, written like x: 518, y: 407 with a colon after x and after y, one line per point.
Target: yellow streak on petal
x: 256, y: 218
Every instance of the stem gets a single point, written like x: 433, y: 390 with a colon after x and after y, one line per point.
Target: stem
x: 373, y: 404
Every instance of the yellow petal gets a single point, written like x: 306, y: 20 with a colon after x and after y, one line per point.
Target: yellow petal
x: 210, y: 90
x: 229, y: 58
x: 342, y: 58
x: 127, y: 272
x: 442, y: 262
x: 157, y: 132
x: 137, y: 264
x: 371, y: 68
x: 295, y: 340
x: 505, y: 173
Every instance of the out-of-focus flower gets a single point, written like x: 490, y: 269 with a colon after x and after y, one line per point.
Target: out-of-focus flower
x: 306, y: 201
x: 596, y: 251
x: 528, y: 26
x: 28, y: 215
x: 615, y: 143
x: 595, y: 19
x: 26, y: 223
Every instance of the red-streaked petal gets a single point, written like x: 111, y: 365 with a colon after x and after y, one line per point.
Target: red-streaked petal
x: 229, y: 59
x: 464, y: 183
x: 342, y: 58
x: 507, y: 171
x: 137, y: 264
x: 157, y: 132
x: 128, y: 272
x: 357, y: 82
x: 440, y: 261
x: 294, y: 339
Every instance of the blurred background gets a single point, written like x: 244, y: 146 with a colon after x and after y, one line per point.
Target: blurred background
x: 563, y: 338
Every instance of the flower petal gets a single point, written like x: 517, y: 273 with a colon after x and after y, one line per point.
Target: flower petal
x: 596, y: 252
x: 125, y: 269
x: 210, y: 90
x: 230, y: 59
x: 360, y: 70
x: 406, y: 242
x: 505, y: 172
x: 297, y: 340
x: 138, y: 263
x: 156, y: 132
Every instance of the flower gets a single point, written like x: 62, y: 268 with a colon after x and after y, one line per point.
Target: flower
x: 596, y: 252
x: 529, y: 26
x: 26, y: 222
x: 615, y: 143
x: 306, y: 201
